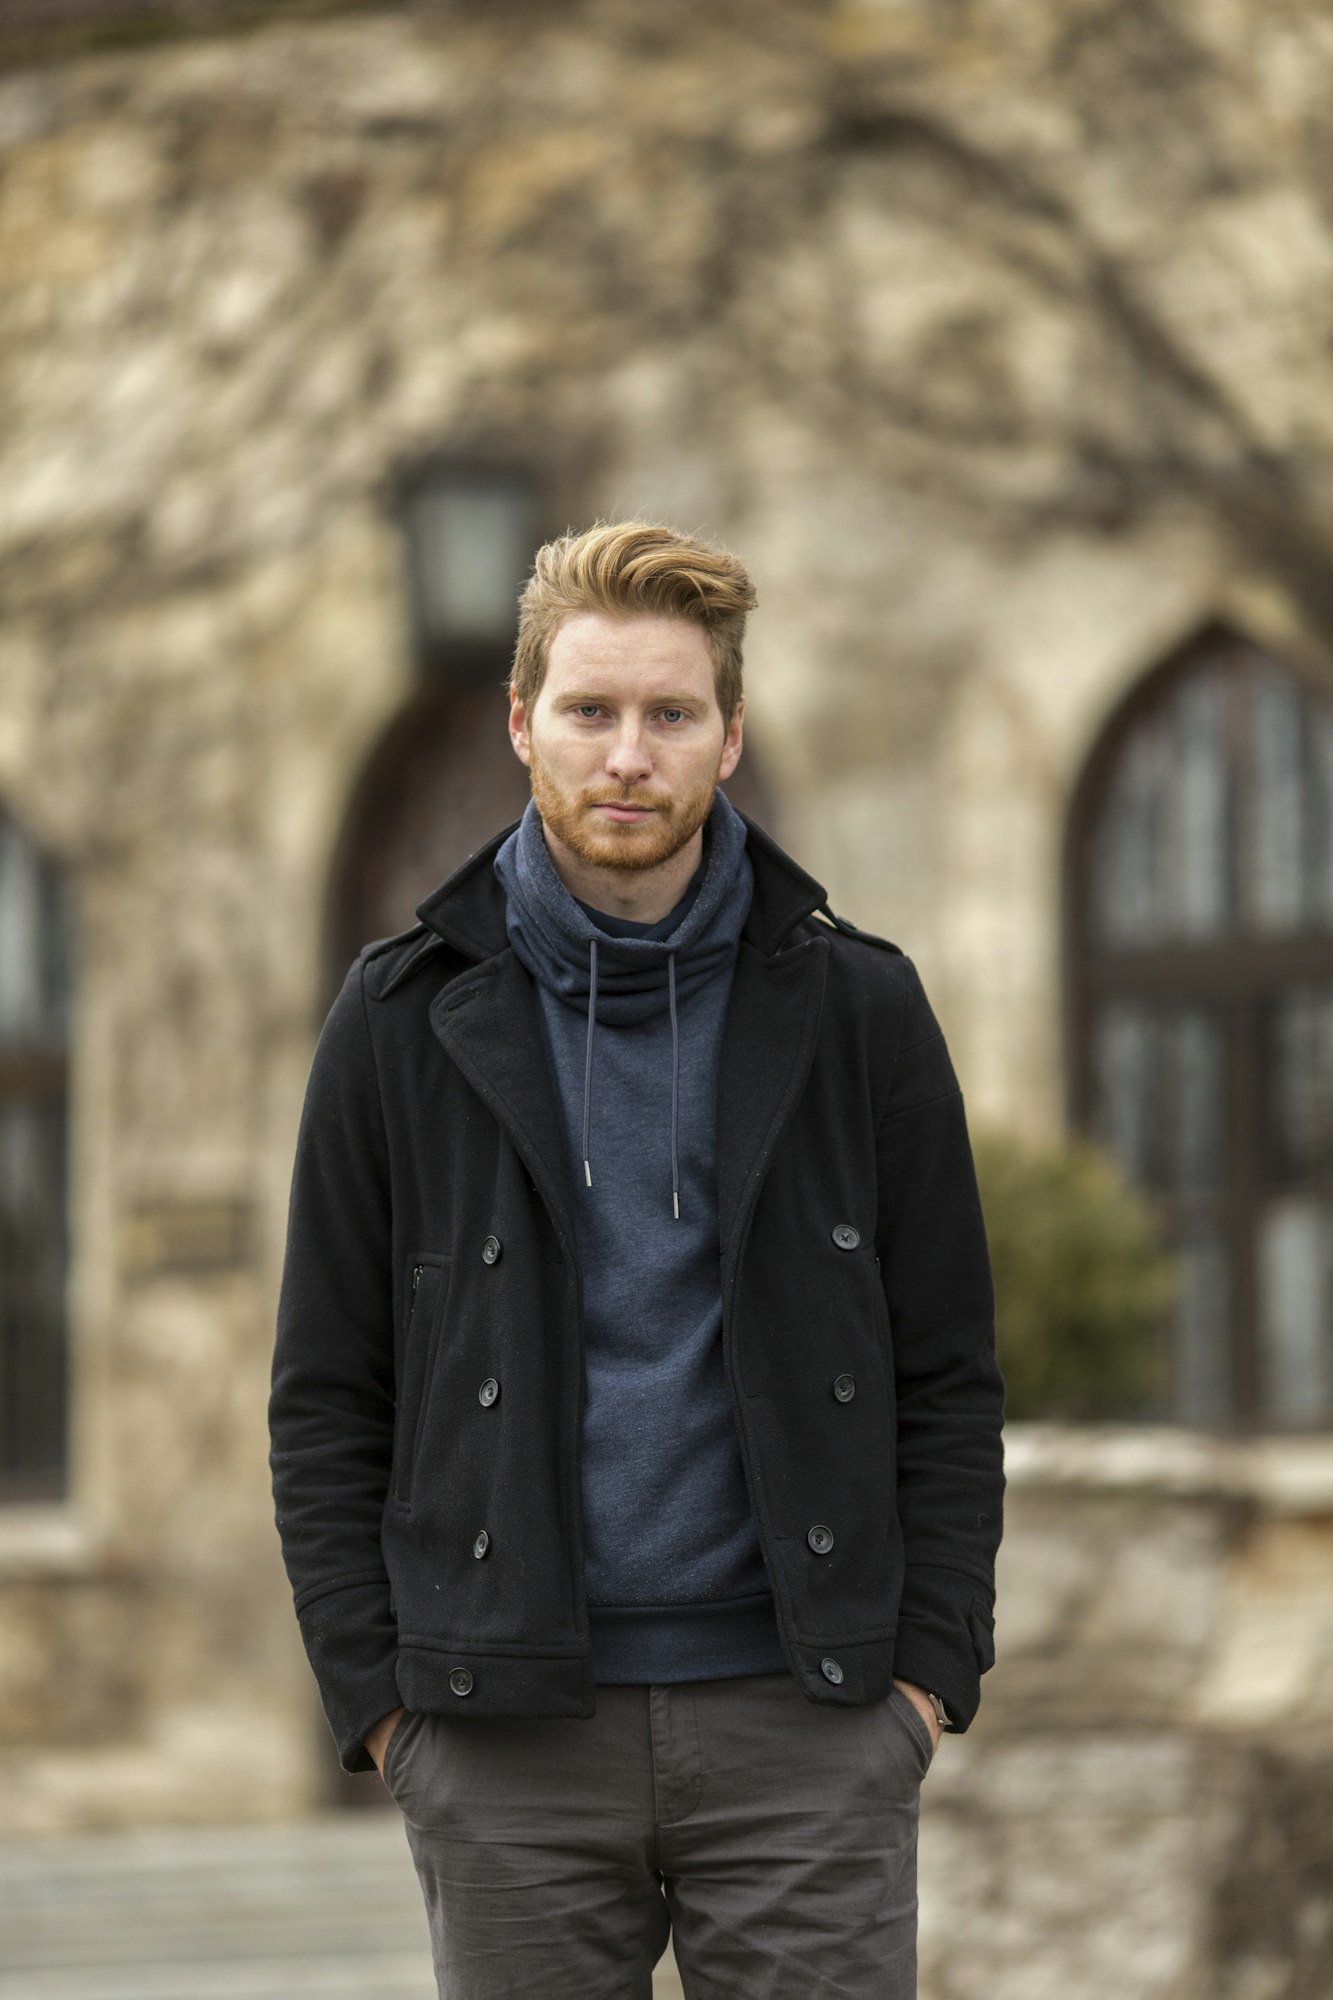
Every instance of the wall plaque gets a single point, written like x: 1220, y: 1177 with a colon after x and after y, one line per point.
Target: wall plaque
x: 189, y: 1238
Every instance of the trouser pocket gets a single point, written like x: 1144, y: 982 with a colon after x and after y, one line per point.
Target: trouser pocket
x: 915, y: 1724
x: 397, y: 1747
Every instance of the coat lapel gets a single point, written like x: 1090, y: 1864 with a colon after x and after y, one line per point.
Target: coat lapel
x: 767, y: 1048
x: 487, y: 1020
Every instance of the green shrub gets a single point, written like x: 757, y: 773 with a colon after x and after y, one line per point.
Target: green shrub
x: 1083, y: 1284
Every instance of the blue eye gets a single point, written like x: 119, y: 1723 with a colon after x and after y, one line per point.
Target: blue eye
x: 587, y: 708
x: 671, y: 714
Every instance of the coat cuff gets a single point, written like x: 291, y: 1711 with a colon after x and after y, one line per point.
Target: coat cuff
x: 946, y: 1639
x: 352, y: 1642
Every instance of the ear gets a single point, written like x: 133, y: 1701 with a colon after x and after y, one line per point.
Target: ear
x: 731, y: 743
x: 518, y: 729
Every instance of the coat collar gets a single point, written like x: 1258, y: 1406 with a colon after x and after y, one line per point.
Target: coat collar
x: 468, y: 910
x: 768, y: 1040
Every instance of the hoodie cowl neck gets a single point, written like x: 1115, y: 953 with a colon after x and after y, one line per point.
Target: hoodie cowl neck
x: 552, y: 934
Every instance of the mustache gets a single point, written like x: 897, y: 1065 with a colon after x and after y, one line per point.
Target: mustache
x: 631, y: 797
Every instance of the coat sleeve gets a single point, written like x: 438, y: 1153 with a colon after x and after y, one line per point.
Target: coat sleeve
x: 331, y: 1406
x: 937, y: 1281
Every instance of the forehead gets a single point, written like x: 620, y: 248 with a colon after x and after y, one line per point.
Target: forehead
x: 629, y: 652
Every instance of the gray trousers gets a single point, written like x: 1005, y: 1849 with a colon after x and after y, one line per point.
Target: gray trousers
x: 772, y: 1838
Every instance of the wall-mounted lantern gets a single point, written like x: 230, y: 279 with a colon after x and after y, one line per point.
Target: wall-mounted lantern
x: 470, y: 532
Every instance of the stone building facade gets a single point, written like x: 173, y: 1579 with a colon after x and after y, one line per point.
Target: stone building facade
x: 998, y: 340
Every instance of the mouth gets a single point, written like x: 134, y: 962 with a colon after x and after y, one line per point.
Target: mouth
x: 621, y: 815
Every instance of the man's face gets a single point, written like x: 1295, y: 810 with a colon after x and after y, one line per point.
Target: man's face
x: 625, y: 741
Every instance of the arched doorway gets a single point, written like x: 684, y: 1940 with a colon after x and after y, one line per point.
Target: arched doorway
x: 1199, y: 927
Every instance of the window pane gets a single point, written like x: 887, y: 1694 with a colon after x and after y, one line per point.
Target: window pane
x: 1193, y: 1100
x: 32, y: 1283
x: 1295, y: 1338
x: 1203, y: 1330
x: 1123, y: 1086
x: 1298, y: 1083
x: 1160, y: 1110
x: 1319, y: 896
x: 1196, y: 863
x: 1159, y: 1094
x: 33, y: 970
x: 1277, y: 867
x: 33, y: 1010
x: 1161, y: 866
x: 1124, y: 849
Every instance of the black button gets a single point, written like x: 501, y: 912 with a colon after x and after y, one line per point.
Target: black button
x: 480, y: 1546
x: 831, y: 1671
x: 460, y: 1680
x: 490, y: 1250
x: 820, y: 1539
x: 844, y: 1388
x: 489, y: 1392
x: 845, y: 1236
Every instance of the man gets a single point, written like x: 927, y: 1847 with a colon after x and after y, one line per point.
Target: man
x: 636, y: 1422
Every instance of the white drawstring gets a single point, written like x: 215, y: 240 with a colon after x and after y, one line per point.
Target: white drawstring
x: 675, y: 1084
x: 587, y: 1067
x: 675, y: 1074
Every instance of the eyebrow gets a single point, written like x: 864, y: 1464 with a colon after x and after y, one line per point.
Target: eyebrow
x: 658, y: 700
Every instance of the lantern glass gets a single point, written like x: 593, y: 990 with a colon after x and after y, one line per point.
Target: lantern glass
x: 470, y: 541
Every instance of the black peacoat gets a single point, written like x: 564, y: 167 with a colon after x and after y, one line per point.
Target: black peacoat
x: 428, y: 1376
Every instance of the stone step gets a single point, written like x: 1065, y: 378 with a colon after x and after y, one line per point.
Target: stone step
x: 327, y: 1910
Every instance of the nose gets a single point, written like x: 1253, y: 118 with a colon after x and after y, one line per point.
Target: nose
x: 627, y: 758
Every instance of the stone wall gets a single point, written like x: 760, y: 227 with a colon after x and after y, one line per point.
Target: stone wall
x: 1144, y: 1807
x: 996, y: 339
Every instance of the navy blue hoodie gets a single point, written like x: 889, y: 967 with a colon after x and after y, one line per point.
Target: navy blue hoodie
x: 633, y: 1017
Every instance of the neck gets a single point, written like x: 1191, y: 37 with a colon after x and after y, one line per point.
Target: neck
x: 643, y: 895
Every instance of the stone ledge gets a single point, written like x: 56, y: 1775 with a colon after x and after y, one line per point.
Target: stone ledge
x: 47, y: 1540
x: 1284, y: 1475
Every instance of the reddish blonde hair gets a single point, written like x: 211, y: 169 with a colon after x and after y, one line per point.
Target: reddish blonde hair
x: 633, y: 568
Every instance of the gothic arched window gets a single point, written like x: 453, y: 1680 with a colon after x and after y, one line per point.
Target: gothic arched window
x: 34, y: 1032
x: 1200, y: 920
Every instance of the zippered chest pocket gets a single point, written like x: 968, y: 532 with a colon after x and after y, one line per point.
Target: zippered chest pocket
x: 428, y: 1284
